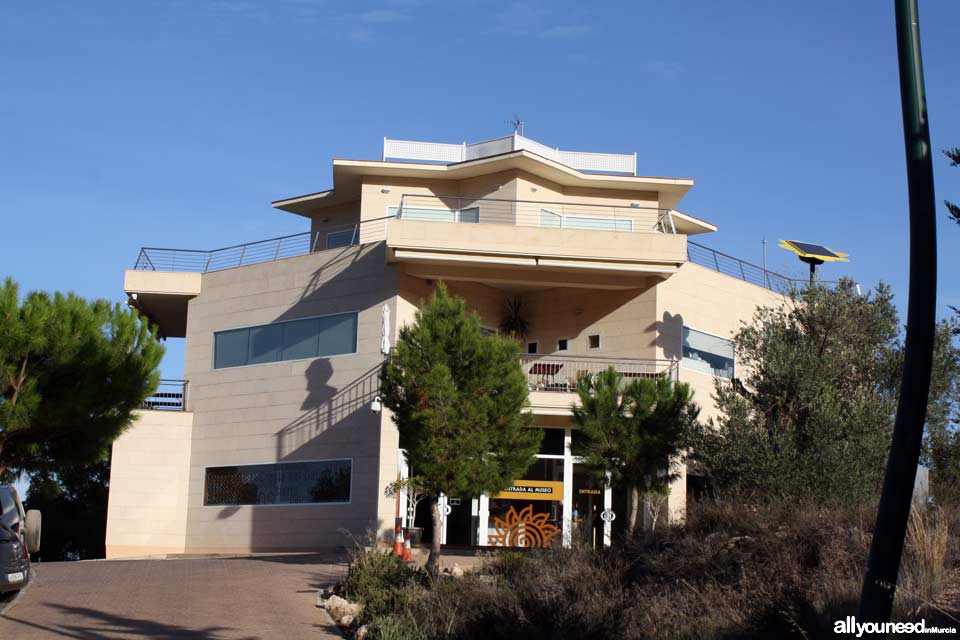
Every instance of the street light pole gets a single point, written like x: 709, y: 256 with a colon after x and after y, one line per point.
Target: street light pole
x: 883, y: 565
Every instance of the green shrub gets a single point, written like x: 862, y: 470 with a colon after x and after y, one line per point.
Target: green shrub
x: 398, y: 626
x: 381, y: 582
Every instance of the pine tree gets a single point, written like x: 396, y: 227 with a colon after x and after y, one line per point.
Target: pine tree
x: 953, y: 209
x: 458, y: 399
x: 72, y: 372
x: 632, y: 432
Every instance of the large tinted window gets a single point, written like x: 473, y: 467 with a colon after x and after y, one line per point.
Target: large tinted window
x: 300, y: 339
x: 280, y: 483
x: 707, y: 354
x: 230, y: 348
x: 291, y: 340
x: 344, y: 238
x: 264, y: 344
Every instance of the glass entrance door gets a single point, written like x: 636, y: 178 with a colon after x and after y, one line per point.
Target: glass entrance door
x: 588, y: 505
x: 558, y: 501
x: 530, y: 513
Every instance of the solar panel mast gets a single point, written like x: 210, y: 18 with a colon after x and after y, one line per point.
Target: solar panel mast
x: 813, y: 254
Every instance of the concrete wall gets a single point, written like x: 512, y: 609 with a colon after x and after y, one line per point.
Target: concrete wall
x: 707, y: 301
x: 147, y: 510
x: 311, y: 409
x: 332, y: 219
x: 563, y: 245
x: 622, y: 319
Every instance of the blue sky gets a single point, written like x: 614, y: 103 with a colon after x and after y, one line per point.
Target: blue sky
x: 176, y: 123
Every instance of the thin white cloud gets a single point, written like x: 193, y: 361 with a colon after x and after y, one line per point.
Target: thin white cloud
x: 560, y: 32
x: 534, y: 18
x: 661, y: 67
x: 240, y: 8
x: 361, y: 34
x: 382, y: 16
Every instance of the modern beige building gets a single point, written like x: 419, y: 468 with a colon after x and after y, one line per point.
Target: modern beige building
x: 273, y: 440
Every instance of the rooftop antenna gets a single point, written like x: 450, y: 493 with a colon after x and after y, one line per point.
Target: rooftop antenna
x: 517, y: 124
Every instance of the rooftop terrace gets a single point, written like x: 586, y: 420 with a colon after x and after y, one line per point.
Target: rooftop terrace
x: 446, y: 153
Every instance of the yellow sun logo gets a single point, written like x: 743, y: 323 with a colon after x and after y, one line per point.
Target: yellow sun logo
x: 523, y: 530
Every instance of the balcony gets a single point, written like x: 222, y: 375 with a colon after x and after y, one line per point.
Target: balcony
x: 552, y: 379
x: 171, y: 395
x: 534, y: 243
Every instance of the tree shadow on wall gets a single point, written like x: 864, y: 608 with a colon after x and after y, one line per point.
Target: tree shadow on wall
x: 327, y: 408
x: 669, y: 332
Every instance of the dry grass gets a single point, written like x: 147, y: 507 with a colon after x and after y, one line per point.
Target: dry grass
x: 923, y: 570
x: 731, y: 572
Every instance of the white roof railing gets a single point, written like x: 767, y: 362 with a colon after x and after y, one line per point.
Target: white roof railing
x: 446, y: 153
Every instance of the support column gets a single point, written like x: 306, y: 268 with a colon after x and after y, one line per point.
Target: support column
x: 484, y: 525
x: 567, y: 489
x: 444, y: 510
x: 607, y: 508
x: 404, y: 499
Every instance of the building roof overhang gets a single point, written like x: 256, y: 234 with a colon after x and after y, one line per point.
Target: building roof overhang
x: 348, y: 176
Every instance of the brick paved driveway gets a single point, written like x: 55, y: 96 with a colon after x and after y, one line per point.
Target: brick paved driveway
x: 260, y: 597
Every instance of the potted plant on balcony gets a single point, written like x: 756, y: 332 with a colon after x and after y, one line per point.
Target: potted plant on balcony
x: 415, y: 491
x: 514, y: 322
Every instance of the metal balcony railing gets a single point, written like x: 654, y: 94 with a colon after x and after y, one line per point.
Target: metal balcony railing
x: 171, y: 395
x: 198, y: 260
x: 535, y: 213
x: 746, y: 271
x: 450, y: 153
x: 466, y: 210
x: 559, y: 373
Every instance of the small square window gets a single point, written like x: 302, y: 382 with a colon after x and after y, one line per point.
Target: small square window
x: 562, y: 344
x: 531, y: 347
x: 593, y: 342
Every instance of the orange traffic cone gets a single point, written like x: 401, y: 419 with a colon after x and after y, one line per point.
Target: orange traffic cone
x: 398, y: 540
x: 407, y: 551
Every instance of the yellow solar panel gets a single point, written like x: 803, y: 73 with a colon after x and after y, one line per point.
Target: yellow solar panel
x: 812, y: 251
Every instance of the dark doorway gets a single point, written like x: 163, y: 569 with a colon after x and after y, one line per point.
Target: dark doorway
x: 587, y: 507
x: 461, y: 523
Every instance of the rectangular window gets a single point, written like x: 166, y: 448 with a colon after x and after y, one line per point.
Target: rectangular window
x: 593, y: 342
x: 553, y: 443
x: 344, y: 238
x: 550, y: 219
x: 290, y: 340
x: 531, y: 347
x: 265, y: 343
x: 562, y: 344
x: 300, y: 339
x: 337, y: 334
x: 599, y: 224
x: 556, y: 221
x: 326, y: 481
x: 470, y: 215
x: 431, y: 215
x: 707, y: 354
x: 230, y: 349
